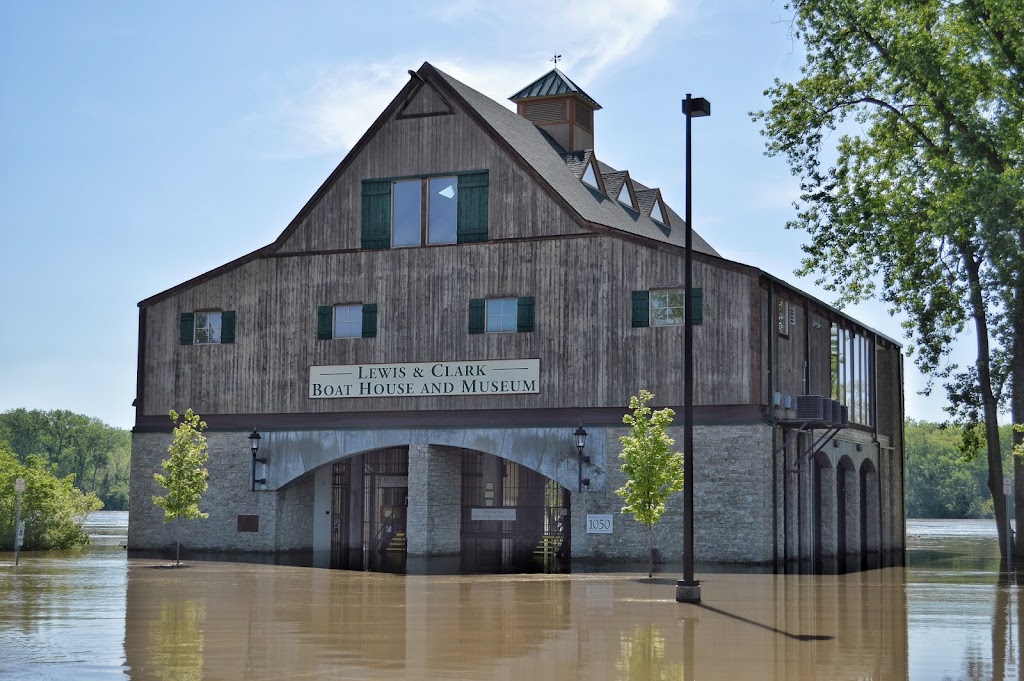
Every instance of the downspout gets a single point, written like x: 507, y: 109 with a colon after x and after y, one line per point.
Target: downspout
x: 874, y: 424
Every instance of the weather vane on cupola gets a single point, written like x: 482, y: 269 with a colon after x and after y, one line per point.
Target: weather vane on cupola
x: 555, y: 59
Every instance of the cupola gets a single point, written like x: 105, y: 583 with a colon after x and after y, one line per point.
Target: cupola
x: 555, y: 104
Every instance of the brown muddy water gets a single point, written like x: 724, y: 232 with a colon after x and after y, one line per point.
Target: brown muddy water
x: 94, y: 614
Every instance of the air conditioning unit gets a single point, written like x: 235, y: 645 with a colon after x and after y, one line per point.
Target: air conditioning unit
x: 837, y: 413
x: 809, y: 407
x: 826, y: 410
x: 845, y: 415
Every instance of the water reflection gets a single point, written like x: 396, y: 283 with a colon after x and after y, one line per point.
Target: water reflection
x: 950, y: 614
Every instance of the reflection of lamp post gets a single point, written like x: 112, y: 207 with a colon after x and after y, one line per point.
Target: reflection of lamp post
x: 581, y: 442
x: 688, y: 589
x: 254, y: 444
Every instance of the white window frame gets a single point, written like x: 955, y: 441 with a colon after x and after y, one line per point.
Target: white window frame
x: 501, y: 316
x: 673, y: 320
x: 353, y: 327
x: 207, y: 333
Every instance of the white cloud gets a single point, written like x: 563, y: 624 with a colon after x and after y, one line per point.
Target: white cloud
x: 332, y: 108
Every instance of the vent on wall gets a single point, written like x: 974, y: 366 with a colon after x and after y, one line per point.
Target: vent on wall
x: 552, y: 111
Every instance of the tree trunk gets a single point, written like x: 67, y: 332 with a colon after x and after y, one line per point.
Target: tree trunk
x: 1017, y: 405
x: 177, y: 541
x: 989, y: 405
x: 650, y: 551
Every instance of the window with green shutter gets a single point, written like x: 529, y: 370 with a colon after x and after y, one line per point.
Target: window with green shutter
x: 666, y: 307
x: 436, y: 209
x: 524, y: 314
x: 206, y: 327
x: 346, y: 321
x: 476, y: 315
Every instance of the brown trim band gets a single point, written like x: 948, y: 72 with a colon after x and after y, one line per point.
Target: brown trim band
x: 568, y: 417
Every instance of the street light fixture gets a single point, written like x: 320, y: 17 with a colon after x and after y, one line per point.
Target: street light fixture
x: 688, y: 589
x: 581, y: 442
x: 254, y: 445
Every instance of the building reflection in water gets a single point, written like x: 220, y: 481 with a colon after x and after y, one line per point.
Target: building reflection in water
x: 245, y: 621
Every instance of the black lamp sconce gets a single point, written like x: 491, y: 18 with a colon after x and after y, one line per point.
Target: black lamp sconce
x: 254, y: 445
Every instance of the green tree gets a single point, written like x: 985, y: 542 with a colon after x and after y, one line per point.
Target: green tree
x: 653, y: 471
x: 51, y: 506
x: 926, y: 191
x: 184, y: 475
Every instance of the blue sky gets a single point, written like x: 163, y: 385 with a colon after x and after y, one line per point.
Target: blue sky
x: 142, y: 144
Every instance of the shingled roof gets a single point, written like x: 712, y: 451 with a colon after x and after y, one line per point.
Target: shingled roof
x: 548, y: 160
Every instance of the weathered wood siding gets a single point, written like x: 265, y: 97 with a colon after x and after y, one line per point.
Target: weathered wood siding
x: 590, y: 354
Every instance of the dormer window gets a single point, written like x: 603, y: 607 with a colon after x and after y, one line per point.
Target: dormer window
x: 658, y: 213
x: 590, y: 177
x: 625, y: 196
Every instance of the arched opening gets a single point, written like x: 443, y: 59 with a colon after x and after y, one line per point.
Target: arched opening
x: 824, y: 521
x: 869, y: 515
x: 846, y: 503
x: 446, y: 509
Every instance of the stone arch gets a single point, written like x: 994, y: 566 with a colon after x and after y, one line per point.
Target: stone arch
x: 823, y: 492
x: 847, y: 502
x: 870, y: 518
x: 548, y: 451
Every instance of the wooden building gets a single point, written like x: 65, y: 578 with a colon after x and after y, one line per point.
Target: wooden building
x: 467, y: 288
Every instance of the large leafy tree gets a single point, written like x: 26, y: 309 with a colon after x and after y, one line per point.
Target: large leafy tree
x: 52, y: 507
x: 907, y: 132
x: 653, y: 471
x: 184, y: 475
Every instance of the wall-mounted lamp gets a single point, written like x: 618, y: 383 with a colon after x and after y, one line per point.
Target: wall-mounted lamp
x: 254, y: 445
x: 581, y: 442
x: 859, y: 447
x: 835, y: 443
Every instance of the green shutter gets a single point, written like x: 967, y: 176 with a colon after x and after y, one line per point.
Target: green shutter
x: 325, y: 322
x: 376, y: 214
x: 641, y: 309
x: 472, y: 219
x: 524, y: 314
x: 697, y: 305
x: 187, y: 328
x: 227, y: 327
x: 476, y: 315
x: 370, y: 320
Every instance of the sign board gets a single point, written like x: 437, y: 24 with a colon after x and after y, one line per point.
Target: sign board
x: 1007, y: 487
x: 392, y: 481
x: 492, y: 514
x: 599, y: 523
x: 21, y: 533
x: 19, y: 485
x: 419, y: 379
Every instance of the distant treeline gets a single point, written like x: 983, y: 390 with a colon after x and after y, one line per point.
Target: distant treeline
x: 98, y: 455
x: 941, y: 481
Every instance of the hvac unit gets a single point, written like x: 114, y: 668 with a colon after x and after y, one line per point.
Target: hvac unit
x: 809, y: 407
x: 845, y: 415
x: 837, y: 413
x: 826, y: 410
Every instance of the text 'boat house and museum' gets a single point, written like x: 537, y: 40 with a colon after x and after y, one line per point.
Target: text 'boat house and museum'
x: 469, y: 287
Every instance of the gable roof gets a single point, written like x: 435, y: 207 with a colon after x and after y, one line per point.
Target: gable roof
x: 544, y: 156
x: 554, y: 82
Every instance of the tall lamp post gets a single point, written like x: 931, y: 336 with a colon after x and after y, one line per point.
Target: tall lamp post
x: 688, y: 589
x: 254, y: 445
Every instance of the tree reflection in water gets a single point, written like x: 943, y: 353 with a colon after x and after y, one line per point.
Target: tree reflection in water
x: 176, y: 644
x: 643, y: 657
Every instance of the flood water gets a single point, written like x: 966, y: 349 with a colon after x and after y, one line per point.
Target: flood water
x: 95, y: 614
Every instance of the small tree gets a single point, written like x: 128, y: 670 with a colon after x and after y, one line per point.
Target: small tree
x: 653, y: 472
x: 184, y: 475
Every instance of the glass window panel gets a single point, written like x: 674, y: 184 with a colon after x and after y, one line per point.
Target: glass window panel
x: 624, y: 195
x: 656, y: 213
x: 667, y: 307
x: 207, y: 327
x: 348, y: 321
x: 589, y: 177
x: 502, y: 314
x: 405, y: 213
x: 443, y: 217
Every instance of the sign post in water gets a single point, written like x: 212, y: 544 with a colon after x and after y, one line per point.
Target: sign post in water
x: 19, y: 535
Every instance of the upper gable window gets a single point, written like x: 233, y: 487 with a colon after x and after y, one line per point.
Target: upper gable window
x: 590, y: 177
x: 625, y: 197
x: 414, y: 226
x: 444, y: 209
x: 657, y: 214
